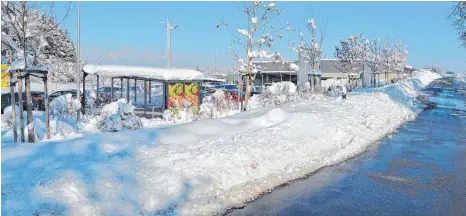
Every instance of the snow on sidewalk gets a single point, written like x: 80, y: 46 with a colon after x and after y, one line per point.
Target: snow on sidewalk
x: 202, y: 167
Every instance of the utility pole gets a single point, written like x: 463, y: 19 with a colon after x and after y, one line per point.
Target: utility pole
x: 78, y: 90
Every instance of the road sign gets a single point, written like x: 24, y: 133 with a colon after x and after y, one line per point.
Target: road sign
x: 5, y: 77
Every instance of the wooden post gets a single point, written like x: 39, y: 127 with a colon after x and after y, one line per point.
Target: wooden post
x: 46, y: 101
x: 13, y: 111
x: 31, y: 134
x: 111, y: 90
x: 145, y: 98
x: 21, y: 108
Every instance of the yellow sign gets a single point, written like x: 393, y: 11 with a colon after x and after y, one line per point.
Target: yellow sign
x: 5, y: 78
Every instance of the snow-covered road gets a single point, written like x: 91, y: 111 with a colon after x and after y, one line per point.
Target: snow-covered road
x: 202, y: 167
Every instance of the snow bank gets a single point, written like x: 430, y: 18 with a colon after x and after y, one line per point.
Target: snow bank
x: 202, y: 167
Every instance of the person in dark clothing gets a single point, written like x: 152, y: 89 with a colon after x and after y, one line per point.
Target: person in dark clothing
x: 343, y: 95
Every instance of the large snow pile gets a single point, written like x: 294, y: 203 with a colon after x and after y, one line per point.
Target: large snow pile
x: 202, y: 167
x: 276, y: 94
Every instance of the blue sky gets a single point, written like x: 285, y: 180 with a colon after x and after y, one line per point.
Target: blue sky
x: 129, y: 33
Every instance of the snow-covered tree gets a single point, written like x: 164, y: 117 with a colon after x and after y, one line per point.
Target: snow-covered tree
x: 352, y: 53
x: 458, y: 15
x: 394, y: 56
x: 310, y: 50
x: 400, y: 56
x: 256, y: 40
x: 375, y: 60
x: 26, y: 29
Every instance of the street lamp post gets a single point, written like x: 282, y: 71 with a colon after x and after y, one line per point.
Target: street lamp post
x: 78, y: 66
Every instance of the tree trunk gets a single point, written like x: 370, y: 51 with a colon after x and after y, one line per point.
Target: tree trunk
x: 46, y: 104
x: 13, y: 110
x: 29, y: 109
x: 248, y: 92
x: 21, y: 111
x: 240, y: 91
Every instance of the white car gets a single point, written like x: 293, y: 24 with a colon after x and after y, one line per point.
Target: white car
x: 449, y: 74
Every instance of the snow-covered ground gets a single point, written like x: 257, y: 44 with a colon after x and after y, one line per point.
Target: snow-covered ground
x: 201, y: 167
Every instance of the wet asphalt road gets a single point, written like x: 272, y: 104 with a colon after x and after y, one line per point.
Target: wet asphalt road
x: 420, y: 170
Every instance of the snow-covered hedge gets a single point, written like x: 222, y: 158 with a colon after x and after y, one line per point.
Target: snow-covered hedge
x: 118, y: 116
x: 181, y: 112
x: 217, y: 105
x: 276, y: 94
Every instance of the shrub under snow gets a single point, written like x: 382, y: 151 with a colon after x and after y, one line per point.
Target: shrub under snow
x: 217, y: 105
x: 7, y: 118
x: 276, y: 94
x: 63, y: 115
x: 181, y: 112
x: 118, y: 116
x: 64, y: 107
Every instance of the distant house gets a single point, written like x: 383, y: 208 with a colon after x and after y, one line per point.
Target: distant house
x: 334, y: 69
x: 269, y: 72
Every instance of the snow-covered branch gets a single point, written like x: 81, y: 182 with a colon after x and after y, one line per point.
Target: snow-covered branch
x: 458, y: 15
x: 352, y: 50
x: 310, y: 49
x: 26, y: 31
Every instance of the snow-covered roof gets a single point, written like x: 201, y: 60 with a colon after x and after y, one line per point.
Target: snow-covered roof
x: 19, y: 64
x: 208, y: 79
x: 165, y: 74
x: 278, y: 72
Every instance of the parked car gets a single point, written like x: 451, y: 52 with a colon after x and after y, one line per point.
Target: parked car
x: 6, y: 101
x: 63, y: 92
